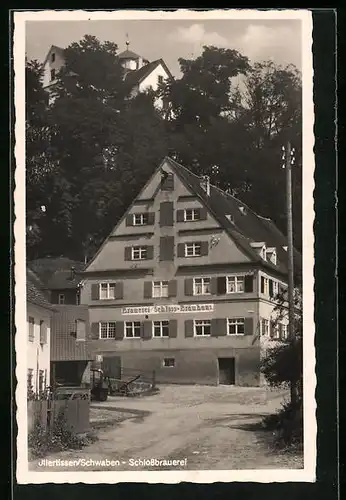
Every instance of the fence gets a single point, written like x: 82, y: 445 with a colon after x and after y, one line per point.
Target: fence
x: 76, y: 413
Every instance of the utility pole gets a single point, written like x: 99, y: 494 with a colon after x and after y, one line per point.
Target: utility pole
x: 288, y: 157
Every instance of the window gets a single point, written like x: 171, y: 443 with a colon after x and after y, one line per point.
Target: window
x: 265, y: 327
x: 236, y: 326
x: 192, y: 249
x: 275, y: 289
x: 161, y: 328
x: 160, y: 289
x: 191, y: 214
x: 202, y: 327
x: 235, y: 284
x: 275, y: 333
x: 169, y: 362
x: 61, y: 299
x: 107, y: 330
x: 132, y: 329
x: 41, y: 381
x: 52, y: 74
x: 201, y: 286
x: 140, y: 219
x: 284, y: 332
x: 167, y: 181
x: 31, y: 327
x: 53, y: 57
x: 139, y: 253
x: 160, y: 79
x: 264, y: 285
x: 107, y: 291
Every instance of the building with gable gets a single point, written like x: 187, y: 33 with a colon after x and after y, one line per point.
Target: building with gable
x: 70, y: 358
x: 186, y: 284
x: 141, y: 74
x: 39, y: 314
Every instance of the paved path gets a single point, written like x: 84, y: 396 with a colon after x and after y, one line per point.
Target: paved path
x: 203, y: 427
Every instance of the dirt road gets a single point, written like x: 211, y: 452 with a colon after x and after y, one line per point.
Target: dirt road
x: 201, y: 427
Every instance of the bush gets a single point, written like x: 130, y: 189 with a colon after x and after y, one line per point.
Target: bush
x: 283, y: 364
x: 287, y: 425
x: 58, y: 437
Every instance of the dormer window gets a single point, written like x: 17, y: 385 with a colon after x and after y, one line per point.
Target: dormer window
x: 242, y: 210
x: 260, y: 248
x: 230, y: 218
x: 271, y: 255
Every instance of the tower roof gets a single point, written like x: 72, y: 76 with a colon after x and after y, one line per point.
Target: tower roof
x: 128, y: 54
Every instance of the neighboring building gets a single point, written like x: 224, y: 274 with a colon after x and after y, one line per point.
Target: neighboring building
x: 185, y: 284
x: 69, y: 355
x: 139, y: 72
x: 39, y: 313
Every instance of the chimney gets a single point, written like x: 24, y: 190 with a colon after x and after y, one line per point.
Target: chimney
x: 72, y: 273
x: 205, y: 184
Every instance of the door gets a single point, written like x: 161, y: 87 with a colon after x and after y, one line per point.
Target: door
x: 226, y: 371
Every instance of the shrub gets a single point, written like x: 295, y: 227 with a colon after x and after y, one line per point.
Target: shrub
x: 287, y: 425
x: 58, y: 437
x: 283, y: 364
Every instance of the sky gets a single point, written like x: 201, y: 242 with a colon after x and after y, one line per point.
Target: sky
x: 279, y: 40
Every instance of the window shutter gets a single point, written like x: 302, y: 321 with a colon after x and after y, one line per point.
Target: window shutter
x: 204, y: 247
x: 166, y: 213
x: 119, y: 330
x: 262, y: 284
x: 95, y: 331
x: 119, y: 290
x: 166, y: 248
x: 173, y: 328
x: 271, y: 329
x: 43, y: 333
x: 218, y: 327
x: 189, y: 286
x: 181, y: 249
x: 128, y: 253
x: 151, y: 218
x: 147, y: 330
x: 203, y: 213
x: 188, y: 328
x: 129, y: 220
x: 213, y: 285
x: 248, y: 326
x: 95, y: 292
x: 271, y: 291
x: 280, y: 331
x: 248, y: 284
x: 80, y: 329
x: 180, y: 215
x: 147, y: 291
x: 150, y: 252
x: 172, y: 288
x: 221, y: 285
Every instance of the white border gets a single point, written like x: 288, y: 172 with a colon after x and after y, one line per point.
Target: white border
x: 24, y: 476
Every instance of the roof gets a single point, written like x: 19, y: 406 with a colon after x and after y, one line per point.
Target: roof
x: 55, y: 272
x: 35, y: 291
x: 64, y: 346
x: 137, y: 76
x: 128, y: 54
x: 56, y: 49
x: 244, y: 229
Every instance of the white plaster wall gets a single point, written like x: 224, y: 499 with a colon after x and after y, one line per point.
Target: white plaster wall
x: 38, y: 356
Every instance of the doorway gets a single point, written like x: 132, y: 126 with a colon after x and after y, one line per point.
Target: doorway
x: 226, y: 371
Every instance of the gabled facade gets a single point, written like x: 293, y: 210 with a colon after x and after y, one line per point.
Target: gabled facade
x: 178, y: 288
x: 70, y: 358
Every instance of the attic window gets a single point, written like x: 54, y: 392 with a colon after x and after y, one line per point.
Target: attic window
x: 230, y: 218
x: 260, y: 248
x: 167, y: 181
x: 271, y: 255
x: 160, y: 79
x: 242, y: 210
x: 53, y: 57
x: 285, y: 248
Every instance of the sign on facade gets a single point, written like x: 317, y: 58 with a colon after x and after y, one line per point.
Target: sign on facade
x: 163, y: 309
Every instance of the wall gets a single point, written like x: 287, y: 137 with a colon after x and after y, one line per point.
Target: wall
x: 38, y: 356
x: 57, y: 64
x: 152, y: 82
x: 70, y: 296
